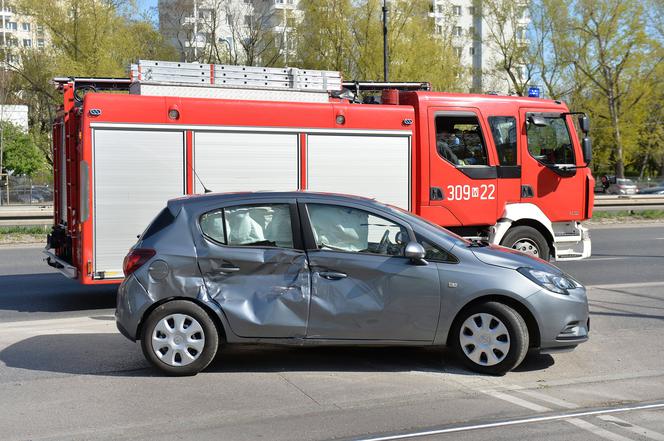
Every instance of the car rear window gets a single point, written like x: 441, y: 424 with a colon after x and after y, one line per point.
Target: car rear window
x: 163, y: 219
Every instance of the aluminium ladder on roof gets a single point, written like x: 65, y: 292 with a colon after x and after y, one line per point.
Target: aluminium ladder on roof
x: 167, y: 78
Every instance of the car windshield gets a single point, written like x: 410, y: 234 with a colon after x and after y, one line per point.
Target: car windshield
x: 625, y: 182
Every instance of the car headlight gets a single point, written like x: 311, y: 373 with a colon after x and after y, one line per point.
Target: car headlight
x: 557, y: 283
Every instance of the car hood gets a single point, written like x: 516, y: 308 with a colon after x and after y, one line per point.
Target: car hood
x: 513, y: 259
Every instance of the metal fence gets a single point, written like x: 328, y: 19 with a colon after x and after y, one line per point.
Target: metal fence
x: 25, y: 190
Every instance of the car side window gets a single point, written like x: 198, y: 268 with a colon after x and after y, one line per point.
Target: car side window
x: 459, y: 140
x: 267, y: 225
x: 434, y: 253
x: 348, y: 229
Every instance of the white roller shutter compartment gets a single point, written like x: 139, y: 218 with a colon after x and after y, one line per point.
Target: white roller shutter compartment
x: 231, y: 161
x: 364, y: 165
x: 135, y: 173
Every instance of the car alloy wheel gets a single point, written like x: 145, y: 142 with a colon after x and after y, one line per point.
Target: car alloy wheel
x: 484, y: 339
x: 490, y: 338
x: 178, y: 339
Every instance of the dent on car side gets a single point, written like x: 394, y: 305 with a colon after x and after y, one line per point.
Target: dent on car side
x: 274, y: 305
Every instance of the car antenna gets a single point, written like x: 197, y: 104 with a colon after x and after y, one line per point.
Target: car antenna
x: 205, y: 189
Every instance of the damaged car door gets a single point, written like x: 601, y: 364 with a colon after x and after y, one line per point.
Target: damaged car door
x: 363, y: 288
x: 254, y: 267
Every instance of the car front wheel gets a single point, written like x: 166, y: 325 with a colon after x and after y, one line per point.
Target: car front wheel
x: 179, y: 338
x: 490, y: 338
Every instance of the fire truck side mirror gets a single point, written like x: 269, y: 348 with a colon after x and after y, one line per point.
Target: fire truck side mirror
x: 537, y: 120
x: 584, y: 123
x: 586, y: 147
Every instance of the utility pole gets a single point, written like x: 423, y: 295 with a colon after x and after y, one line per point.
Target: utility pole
x: 385, y: 54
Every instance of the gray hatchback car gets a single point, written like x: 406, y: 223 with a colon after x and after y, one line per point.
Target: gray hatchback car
x: 305, y: 268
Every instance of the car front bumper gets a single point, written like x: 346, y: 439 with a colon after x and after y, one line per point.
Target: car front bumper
x: 563, y: 319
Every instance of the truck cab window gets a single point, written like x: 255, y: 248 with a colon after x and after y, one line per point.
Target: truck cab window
x: 503, y: 130
x: 550, y: 143
x: 459, y: 140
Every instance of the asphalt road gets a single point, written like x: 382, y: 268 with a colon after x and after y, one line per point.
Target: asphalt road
x: 66, y: 374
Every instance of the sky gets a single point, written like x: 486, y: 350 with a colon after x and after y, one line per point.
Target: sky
x: 145, y: 5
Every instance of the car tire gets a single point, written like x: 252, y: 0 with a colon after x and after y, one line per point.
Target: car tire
x: 179, y: 338
x: 528, y: 240
x: 486, y: 329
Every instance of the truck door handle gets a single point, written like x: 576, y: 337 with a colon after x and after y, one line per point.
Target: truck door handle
x: 332, y: 275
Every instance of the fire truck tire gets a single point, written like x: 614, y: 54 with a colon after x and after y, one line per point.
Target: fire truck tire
x: 179, y: 338
x: 528, y: 240
x: 490, y: 338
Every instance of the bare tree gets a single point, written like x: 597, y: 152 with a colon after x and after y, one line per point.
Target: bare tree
x: 506, y: 24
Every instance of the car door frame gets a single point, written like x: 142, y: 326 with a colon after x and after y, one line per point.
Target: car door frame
x: 202, y: 240
x: 310, y: 246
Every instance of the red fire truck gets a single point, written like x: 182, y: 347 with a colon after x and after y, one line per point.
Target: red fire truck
x: 509, y: 170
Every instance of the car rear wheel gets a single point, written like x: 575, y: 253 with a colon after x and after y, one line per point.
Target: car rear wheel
x: 527, y: 240
x: 490, y: 338
x: 179, y: 338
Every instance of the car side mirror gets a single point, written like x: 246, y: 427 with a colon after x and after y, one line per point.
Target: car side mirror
x: 586, y: 147
x: 415, y: 252
x: 584, y: 123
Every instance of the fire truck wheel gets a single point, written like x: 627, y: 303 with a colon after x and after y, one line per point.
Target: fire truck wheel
x: 527, y: 240
x: 179, y: 338
x: 490, y: 338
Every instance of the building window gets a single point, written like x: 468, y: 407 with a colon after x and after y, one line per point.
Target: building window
x: 440, y: 9
x: 26, y: 26
x: 457, y: 31
x: 40, y: 42
x: 471, y: 50
x: 471, y: 10
x: 456, y: 10
x: 471, y: 31
x: 247, y: 20
x: 458, y: 50
x: 11, y: 25
x: 439, y: 29
x: 27, y: 42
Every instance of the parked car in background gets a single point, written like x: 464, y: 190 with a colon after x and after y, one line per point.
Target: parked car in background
x: 622, y: 187
x: 301, y: 268
x: 653, y: 190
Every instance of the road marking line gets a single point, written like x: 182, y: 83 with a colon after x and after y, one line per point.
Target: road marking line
x: 625, y: 285
x: 597, y: 259
x: 520, y: 421
x: 602, y: 433
x: 518, y: 401
x: 540, y: 396
x: 633, y: 428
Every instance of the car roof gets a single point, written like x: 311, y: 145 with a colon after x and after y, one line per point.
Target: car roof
x: 207, y: 199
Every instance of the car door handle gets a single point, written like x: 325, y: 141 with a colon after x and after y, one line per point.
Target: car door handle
x: 229, y: 269
x: 332, y: 275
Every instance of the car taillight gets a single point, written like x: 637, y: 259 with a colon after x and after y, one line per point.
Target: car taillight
x: 136, y: 258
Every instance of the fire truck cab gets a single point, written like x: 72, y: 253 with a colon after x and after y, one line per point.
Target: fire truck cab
x: 509, y: 170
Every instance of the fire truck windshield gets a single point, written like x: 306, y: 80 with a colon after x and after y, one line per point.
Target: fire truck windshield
x: 549, y: 140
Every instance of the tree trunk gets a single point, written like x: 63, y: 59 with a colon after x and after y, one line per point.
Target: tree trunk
x: 618, y: 148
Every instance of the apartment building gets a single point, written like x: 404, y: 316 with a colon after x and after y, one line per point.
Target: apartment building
x: 229, y: 31
x: 479, y: 39
x: 18, y: 31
